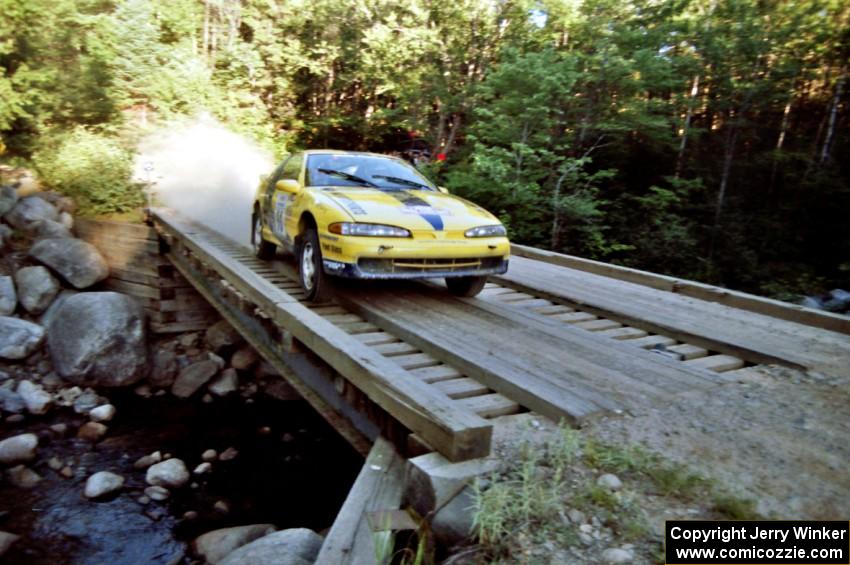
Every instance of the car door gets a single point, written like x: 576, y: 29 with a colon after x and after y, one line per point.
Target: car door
x: 281, y: 205
x: 267, y: 197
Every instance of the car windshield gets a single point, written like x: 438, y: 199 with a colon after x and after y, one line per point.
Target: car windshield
x: 347, y: 169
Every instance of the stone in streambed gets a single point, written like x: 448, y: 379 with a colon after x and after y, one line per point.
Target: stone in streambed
x: 102, y: 484
x: 76, y: 261
x: 18, y: 449
x: 171, y: 473
x: 216, y: 545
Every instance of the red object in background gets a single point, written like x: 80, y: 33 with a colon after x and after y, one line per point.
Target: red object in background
x: 441, y: 157
x: 413, y: 134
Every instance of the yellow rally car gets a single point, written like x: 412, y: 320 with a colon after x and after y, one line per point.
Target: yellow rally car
x: 369, y: 216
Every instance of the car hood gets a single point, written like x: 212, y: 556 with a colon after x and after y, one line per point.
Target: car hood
x: 415, y: 210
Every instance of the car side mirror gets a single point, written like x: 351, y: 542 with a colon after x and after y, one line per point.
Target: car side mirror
x: 443, y: 189
x: 288, y: 185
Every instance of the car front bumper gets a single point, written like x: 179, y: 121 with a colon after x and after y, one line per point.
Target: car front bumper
x: 391, y: 270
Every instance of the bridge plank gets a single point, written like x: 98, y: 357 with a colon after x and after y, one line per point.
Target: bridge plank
x: 749, y: 335
x: 545, y: 365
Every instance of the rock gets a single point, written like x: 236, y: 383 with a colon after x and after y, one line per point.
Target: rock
x: 67, y: 472
x: 164, y: 369
x: 204, y: 467
x: 296, y: 546
x: 8, y: 296
x: 193, y: 377
x: 47, y: 229
x: 190, y: 515
x: 78, y: 262
x: 6, y: 541
x: 171, y: 473
x: 55, y: 463
x: 244, y: 358
x: 36, y: 288
x: 99, y: 339
x: 144, y: 499
x: 54, y: 307
x: 8, y: 198
x: 157, y: 493
x: 221, y: 335
x: 103, y: 413
x: 5, y: 235
x: 103, y: 483
x: 189, y: 339
x: 92, y: 431
x: 85, y: 401
x: 19, y: 338
x: 616, y: 555
x: 228, y: 454
x: 10, y: 400
x: 226, y: 383
x: 23, y: 477
x: 218, y: 360
x: 576, y: 516
x: 146, y: 461
x: 29, y: 211
x: 59, y: 429
x: 67, y: 220
x: 18, y: 449
x: 143, y: 390
x: 609, y: 481
x: 209, y: 455
x: 216, y: 545
x: 220, y: 505
x: 452, y: 523
x: 35, y: 398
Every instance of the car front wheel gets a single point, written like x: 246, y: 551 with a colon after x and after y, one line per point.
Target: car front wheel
x: 314, y: 281
x: 262, y: 248
x: 465, y: 286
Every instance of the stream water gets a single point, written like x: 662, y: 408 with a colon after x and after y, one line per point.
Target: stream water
x: 292, y: 470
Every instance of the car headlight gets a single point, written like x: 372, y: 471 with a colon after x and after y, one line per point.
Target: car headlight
x: 371, y: 230
x: 486, y: 231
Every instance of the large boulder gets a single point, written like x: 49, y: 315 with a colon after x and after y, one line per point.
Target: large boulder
x: 8, y: 296
x: 8, y: 198
x: 78, y: 262
x: 216, y: 545
x: 18, y: 338
x: 296, y: 546
x: 36, y: 288
x: 29, y: 211
x: 99, y: 339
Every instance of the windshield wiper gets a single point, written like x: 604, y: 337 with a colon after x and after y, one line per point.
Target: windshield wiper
x: 348, y: 176
x: 399, y: 180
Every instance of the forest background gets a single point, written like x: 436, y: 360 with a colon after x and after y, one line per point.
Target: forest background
x: 705, y: 139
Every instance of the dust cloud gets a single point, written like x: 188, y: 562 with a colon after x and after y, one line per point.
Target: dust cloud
x: 204, y: 171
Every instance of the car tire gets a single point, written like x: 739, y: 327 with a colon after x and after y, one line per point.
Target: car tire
x: 262, y: 248
x: 465, y: 286
x: 315, y: 283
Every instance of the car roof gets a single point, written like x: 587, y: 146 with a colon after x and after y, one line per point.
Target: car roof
x: 341, y: 152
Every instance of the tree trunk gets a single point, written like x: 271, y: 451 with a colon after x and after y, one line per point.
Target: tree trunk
x: 731, y: 140
x: 833, y: 115
x: 783, y: 129
x: 687, y: 126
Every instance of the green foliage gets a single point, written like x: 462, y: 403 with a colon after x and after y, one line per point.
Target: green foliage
x: 91, y: 168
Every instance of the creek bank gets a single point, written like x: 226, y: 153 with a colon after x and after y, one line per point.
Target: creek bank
x: 118, y: 446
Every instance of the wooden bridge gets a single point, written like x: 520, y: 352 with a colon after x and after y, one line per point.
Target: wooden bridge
x: 568, y: 338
